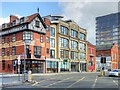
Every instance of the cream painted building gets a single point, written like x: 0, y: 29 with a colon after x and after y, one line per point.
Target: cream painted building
x: 68, y: 46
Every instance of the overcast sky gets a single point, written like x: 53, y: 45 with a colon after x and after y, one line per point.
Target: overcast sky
x: 84, y: 13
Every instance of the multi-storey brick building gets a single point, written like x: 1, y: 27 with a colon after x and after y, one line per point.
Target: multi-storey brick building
x: 110, y: 52
x: 27, y: 37
x: 68, y: 44
x: 91, y: 55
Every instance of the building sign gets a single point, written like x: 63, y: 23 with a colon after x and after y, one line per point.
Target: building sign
x: 13, y: 30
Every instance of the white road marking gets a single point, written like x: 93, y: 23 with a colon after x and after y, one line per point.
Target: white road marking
x: 76, y: 82
x: 41, y: 81
x: 115, y: 82
x: 57, y: 82
x: 94, y: 82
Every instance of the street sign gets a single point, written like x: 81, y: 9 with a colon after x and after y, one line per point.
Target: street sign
x: 19, y: 62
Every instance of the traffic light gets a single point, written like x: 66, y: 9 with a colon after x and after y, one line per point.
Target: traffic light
x: 28, y: 53
x: 103, y: 59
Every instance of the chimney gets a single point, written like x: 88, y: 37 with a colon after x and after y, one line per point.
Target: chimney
x: 12, y: 18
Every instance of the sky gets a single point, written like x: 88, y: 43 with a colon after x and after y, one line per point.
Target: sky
x: 83, y: 13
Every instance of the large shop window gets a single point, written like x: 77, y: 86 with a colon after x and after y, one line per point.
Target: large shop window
x: 3, y: 64
x: 27, y: 35
x: 13, y: 50
x: 37, y: 51
x: 52, y: 31
x: 52, y: 53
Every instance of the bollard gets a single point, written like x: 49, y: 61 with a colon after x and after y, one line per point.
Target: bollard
x: 29, y: 76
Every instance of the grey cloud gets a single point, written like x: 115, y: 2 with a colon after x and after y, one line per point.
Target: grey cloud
x: 84, y: 13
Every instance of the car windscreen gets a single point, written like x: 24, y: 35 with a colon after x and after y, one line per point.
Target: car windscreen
x: 115, y: 71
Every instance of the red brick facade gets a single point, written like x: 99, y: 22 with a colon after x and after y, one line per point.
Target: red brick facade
x: 91, y: 57
x: 39, y: 39
x: 113, y: 53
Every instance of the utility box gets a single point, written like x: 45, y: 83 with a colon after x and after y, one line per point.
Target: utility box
x: 29, y: 75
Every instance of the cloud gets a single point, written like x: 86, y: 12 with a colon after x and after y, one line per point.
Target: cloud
x: 84, y: 13
x: 7, y: 19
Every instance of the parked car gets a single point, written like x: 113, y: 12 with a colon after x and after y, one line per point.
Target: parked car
x: 115, y: 72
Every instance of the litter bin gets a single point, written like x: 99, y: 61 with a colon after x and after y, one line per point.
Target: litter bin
x: 29, y: 75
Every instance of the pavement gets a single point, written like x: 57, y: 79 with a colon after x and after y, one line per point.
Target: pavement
x: 69, y: 80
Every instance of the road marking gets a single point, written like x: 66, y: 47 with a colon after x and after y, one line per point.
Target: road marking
x: 94, y: 82
x: 41, y: 81
x: 76, y: 82
x: 57, y: 82
x: 115, y: 82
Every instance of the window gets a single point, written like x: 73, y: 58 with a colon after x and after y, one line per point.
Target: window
x: 64, y: 53
x: 22, y: 20
x: 47, y: 50
x: 74, y: 33
x: 82, y: 56
x: 13, y: 37
x: 52, y: 53
x: 52, y: 42
x: 13, y: 50
x: 14, y: 23
x: 47, y: 39
x: 37, y: 50
x: 27, y: 35
x: 3, y: 39
x: 64, y: 43
x: 3, y: 51
x: 63, y: 30
x: 82, y: 47
x: 74, y: 45
x: 8, y: 40
x: 41, y: 38
x: 3, y: 64
x: 74, y: 55
x: 52, y: 31
x: 8, y: 53
x: 37, y: 23
x: 82, y: 36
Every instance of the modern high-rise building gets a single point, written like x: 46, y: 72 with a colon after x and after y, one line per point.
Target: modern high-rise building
x: 107, y: 29
x: 108, y: 33
x: 68, y: 44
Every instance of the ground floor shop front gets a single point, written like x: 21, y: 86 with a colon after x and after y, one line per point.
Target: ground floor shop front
x: 41, y: 66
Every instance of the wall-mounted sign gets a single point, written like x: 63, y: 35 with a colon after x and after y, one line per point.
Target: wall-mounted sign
x: 12, y: 30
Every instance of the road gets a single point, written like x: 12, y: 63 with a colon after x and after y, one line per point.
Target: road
x: 71, y: 80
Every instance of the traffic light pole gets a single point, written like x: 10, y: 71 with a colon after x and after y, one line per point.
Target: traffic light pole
x: 24, y: 61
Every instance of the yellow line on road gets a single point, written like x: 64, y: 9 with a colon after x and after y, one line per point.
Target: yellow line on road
x: 57, y: 82
x: 94, y: 82
x: 76, y: 82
